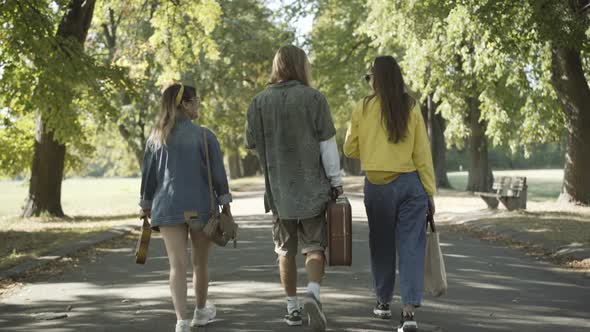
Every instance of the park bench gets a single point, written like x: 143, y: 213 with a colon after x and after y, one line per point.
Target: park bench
x: 510, y: 190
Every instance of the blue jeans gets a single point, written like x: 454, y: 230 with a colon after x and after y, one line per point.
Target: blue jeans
x: 397, y: 220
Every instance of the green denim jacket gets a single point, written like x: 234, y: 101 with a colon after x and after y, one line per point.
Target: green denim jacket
x: 285, y: 124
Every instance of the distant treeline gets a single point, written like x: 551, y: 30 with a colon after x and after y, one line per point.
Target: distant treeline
x: 541, y: 156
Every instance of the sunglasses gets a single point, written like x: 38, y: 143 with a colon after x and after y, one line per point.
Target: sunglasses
x: 368, y: 77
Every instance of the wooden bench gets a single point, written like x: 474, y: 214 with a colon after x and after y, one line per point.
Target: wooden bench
x: 510, y: 190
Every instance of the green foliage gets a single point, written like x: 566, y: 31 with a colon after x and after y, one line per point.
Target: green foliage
x: 133, y: 48
x: 520, y: 25
x: 451, y: 53
x: 340, y: 56
x: 156, y: 42
x: 224, y: 48
x: 16, y: 144
x: 247, y: 40
x: 182, y: 33
x: 42, y: 73
x: 110, y: 157
x: 497, y: 53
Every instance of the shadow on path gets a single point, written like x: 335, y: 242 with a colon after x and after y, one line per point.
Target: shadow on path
x: 491, y: 289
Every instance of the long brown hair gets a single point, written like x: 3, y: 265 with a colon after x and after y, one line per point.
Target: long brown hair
x: 396, y: 103
x: 171, y: 102
x: 291, y: 63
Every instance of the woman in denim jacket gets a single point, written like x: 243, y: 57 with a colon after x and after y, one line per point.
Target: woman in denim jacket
x: 175, y: 193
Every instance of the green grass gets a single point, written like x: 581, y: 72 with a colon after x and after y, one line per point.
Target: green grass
x: 561, y: 229
x: 12, y: 197
x: 543, y: 184
x: 95, y: 205
x: 119, y: 196
x: 80, y: 196
x: 18, y: 246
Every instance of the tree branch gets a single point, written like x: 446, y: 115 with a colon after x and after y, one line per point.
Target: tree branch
x: 134, y: 147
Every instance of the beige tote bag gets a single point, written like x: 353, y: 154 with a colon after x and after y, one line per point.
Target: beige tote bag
x: 435, y: 275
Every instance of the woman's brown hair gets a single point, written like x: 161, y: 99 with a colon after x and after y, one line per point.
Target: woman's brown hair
x: 171, y: 103
x: 396, y: 103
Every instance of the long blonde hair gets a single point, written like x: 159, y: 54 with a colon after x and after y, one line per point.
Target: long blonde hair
x: 172, y: 99
x: 291, y: 63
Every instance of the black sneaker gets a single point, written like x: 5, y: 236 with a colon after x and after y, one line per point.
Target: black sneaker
x: 313, y: 307
x: 381, y: 310
x: 408, y: 323
x: 294, y: 318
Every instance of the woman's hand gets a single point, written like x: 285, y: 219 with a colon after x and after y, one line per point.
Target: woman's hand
x: 145, y: 213
x: 226, y: 209
x: 431, y: 206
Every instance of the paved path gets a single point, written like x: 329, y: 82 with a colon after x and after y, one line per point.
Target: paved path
x: 491, y: 289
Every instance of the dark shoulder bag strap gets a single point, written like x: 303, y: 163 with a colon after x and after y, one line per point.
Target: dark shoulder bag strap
x: 430, y: 219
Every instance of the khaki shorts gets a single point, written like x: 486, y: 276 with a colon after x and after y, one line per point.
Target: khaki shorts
x: 308, y: 234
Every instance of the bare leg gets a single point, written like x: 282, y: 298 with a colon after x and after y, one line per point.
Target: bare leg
x: 288, y: 269
x: 314, y: 264
x: 175, y: 238
x: 201, y: 245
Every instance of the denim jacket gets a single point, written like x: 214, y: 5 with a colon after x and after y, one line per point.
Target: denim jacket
x: 174, y: 180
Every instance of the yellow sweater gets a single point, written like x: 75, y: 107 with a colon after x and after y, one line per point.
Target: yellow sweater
x: 383, y: 161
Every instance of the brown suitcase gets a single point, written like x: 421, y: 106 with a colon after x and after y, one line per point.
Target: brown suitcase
x: 339, y: 231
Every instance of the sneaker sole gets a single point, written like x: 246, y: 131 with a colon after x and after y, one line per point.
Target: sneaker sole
x: 292, y: 323
x: 317, y: 319
x: 199, y: 324
x: 196, y: 323
x: 382, y: 314
x: 408, y: 329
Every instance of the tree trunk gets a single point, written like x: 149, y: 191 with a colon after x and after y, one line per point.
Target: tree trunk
x: 250, y: 165
x: 572, y: 90
x: 436, y: 132
x: 350, y: 166
x: 235, y: 169
x: 46, y: 175
x: 132, y: 144
x: 49, y: 155
x: 480, y: 177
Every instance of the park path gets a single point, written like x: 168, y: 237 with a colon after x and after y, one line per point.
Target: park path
x: 492, y: 288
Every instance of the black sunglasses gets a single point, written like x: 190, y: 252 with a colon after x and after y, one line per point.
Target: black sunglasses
x: 368, y: 77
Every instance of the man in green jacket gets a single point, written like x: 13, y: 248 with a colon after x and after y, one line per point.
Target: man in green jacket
x: 290, y: 126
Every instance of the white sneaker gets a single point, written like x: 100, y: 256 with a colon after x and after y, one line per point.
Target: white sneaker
x: 313, y: 307
x: 204, y: 316
x: 183, y: 326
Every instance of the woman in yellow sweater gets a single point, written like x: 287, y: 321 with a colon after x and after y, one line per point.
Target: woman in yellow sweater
x: 387, y: 133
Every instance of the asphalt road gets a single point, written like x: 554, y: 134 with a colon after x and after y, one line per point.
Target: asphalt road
x: 491, y: 288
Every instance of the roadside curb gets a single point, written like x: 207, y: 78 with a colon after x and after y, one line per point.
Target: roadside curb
x: 576, y: 251
x: 21, y: 268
